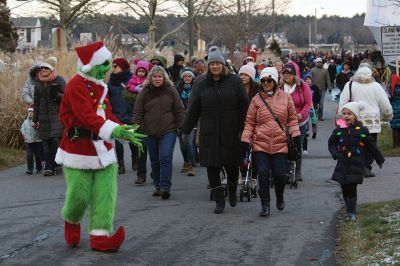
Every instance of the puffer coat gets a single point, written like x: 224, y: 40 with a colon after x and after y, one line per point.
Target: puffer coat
x: 47, y: 100
x: 221, y: 106
x: 261, y: 127
x: 347, y: 146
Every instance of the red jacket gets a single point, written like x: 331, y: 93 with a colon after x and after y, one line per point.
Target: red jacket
x: 261, y: 127
x: 83, y: 106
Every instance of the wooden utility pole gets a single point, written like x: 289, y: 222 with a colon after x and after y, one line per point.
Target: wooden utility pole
x: 191, y: 27
x: 273, y: 20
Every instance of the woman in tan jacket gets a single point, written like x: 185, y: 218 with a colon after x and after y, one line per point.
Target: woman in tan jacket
x: 268, y: 140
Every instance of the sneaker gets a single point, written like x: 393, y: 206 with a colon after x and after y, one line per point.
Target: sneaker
x: 157, y: 193
x: 29, y: 172
x: 314, y: 136
x: 140, y: 181
x: 48, y: 172
x: 305, y: 152
x: 185, y: 167
x: 351, y: 217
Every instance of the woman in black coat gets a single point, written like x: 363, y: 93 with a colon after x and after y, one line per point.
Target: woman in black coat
x: 49, y: 90
x: 348, y: 144
x: 221, y: 104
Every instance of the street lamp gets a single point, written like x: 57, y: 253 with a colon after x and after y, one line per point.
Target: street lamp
x: 315, y: 23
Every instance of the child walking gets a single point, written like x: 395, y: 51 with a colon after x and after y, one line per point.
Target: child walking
x: 33, y: 143
x: 347, y: 145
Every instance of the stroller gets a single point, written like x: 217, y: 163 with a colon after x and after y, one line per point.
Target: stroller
x: 249, y: 186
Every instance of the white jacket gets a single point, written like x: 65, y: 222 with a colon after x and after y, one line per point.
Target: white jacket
x: 377, y: 107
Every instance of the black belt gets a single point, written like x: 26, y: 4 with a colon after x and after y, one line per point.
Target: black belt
x: 75, y: 133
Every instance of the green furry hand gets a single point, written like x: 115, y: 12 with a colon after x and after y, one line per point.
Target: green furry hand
x: 128, y: 133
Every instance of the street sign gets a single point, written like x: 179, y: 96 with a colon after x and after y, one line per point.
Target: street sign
x: 390, y: 40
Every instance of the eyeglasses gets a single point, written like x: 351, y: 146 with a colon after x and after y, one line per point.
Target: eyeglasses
x: 319, y: 62
x: 267, y: 80
x: 114, y: 66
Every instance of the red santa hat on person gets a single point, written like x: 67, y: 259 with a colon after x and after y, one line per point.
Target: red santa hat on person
x: 92, y: 55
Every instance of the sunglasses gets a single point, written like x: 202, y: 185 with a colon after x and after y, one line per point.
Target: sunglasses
x: 266, y: 80
x: 114, y: 66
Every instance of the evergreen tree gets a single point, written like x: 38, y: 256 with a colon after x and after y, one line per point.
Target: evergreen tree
x: 275, y: 48
x: 8, y: 33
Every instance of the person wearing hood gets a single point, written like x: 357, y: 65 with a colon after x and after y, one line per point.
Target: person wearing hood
x: 176, y: 68
x: 220, y: 102
x: 268, y: 140
x: 28, y: 90
x: 159, y: 60
x: 140, y: 75
x: 362, y: 87
x: 302, y: 99
x: 122, y: 108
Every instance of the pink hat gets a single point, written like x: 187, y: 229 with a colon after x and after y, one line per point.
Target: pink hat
x: 249, y: 70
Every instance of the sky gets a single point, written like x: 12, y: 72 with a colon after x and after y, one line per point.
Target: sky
x: 345, y: 8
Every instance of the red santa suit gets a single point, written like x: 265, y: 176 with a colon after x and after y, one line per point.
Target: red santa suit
x: 86, y: 106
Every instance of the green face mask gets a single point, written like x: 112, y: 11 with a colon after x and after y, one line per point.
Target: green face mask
x: 99, y: 72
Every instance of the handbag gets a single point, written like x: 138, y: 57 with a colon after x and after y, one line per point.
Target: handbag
x: 294, y: 151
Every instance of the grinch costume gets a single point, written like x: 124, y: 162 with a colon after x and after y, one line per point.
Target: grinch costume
x: 86, y: 151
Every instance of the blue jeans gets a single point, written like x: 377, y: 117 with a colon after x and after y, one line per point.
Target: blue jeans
x: 321, y: 104
x: 271, y: 164
x: 189, y: 150
x: 161, y: 151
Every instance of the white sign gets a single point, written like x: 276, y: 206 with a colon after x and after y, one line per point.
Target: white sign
x: 390, y: 40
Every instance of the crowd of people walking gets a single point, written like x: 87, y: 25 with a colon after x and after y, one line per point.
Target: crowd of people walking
x: 218, y: 115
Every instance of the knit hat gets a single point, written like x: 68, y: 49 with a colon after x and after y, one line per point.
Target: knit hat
x: 92, y: 55
x: 178, y: 58
x: 187, y: 71
x: 50, y: 63
x: 354, y: 107
x: 122, y: 63
x: 214, y: 55
x: 319, y: 59
x: 289, y: 69
x: 270, y: 72
x: 249, y: 70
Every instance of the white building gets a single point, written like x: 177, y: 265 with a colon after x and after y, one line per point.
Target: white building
x: 279, y: 37
x: 29, y: 32
x: 127, y: 39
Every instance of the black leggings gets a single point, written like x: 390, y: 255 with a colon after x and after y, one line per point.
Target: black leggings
x: 349, y: 191
x: 214, y: 179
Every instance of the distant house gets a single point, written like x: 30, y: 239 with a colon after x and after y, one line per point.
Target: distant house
x: 128, y: 40
x: 280, y: 38
x: 29, y: 32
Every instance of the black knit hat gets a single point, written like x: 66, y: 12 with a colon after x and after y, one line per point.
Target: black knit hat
x: 178, y: 58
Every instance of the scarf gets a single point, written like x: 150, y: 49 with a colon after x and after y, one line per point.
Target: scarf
x: 187, y: 89
x: 289, y: 89
x: 49, y: 78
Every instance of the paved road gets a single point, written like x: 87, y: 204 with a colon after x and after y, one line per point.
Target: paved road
x: 182, y: 230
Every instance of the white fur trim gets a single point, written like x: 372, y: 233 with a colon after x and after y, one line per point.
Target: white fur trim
x: 100, y: 56
x: 103, y: 153
x: 96, y: 81
x: 85, y: 162
x: 99, y: 232
x: 106, y: 129
x: 86, y: 68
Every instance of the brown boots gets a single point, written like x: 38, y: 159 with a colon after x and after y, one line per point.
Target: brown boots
x: 121, y: 167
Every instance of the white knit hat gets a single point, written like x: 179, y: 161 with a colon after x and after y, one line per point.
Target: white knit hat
x: 270, y: 72
x: 249, y: 70
x: 354, y: 107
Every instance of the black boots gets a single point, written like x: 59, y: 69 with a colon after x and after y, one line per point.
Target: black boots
x: 232, y: 187
x: 265, y: 198
x: 280, y: 202
x: 219, y: 197
x: 351, y: 204
x: 121, y: 167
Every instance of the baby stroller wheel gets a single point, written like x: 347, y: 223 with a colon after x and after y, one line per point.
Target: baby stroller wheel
x: 241, y: 195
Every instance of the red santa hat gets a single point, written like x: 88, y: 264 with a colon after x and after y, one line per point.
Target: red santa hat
x: 92, y: 55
